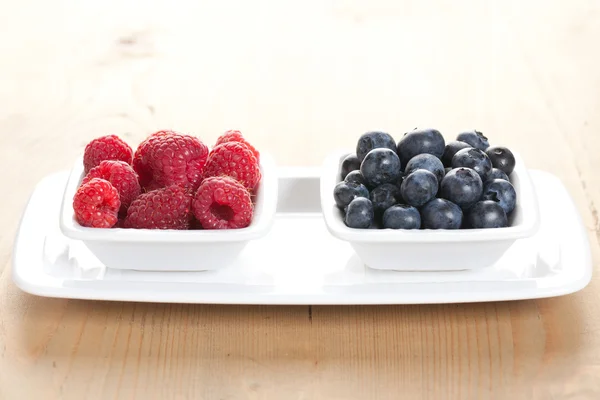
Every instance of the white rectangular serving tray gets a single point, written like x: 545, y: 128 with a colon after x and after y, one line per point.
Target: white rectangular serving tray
x: 300, y: 262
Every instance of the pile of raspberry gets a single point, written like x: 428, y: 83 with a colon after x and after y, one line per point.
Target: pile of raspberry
x: 171, y: 181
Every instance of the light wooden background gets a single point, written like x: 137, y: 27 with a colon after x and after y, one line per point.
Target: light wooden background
x: 299, y: 78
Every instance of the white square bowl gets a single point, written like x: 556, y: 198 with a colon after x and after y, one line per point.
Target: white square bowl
x: 171, y: 250
x: 427, y: 249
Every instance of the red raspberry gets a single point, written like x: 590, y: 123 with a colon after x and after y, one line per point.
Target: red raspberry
x: 121, y: 176
x: 165, y: 208
x: 236, y: 136
x: 109, y: 147
x: 96, y: 204
x: 235, y: 160
x: 153, y: 185
x: 141, y: 158
x: 222, y: 203
x: 169, y: 158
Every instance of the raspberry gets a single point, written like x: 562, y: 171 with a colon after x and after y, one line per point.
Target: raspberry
x: 222, y: 203
x: 121, y: 176
x: 109, y: 147
x: 235, y: 160
x: 96, y: 204
x: 141, y: 158
x: 170, y: 158
x: 165, y: 208
x: 236, y: 136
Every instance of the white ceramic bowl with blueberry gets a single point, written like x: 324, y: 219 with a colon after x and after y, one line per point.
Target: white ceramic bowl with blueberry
x: 427, y: 204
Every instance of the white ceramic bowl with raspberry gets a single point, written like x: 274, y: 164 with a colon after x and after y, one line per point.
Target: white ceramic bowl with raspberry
x: 429, y: 249
x: 171, y: 249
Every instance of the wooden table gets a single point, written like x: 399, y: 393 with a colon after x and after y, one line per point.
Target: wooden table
x: 298, y: 79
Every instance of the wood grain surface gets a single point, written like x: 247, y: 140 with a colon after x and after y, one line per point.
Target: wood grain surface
x: 299, y: 78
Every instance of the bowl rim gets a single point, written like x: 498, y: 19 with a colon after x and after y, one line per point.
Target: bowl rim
x: 526, y: 198
x: 264, y: 214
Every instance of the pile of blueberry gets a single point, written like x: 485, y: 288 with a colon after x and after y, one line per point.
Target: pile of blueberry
x: 423, y: 183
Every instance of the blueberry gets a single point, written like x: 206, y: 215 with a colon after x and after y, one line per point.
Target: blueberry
x: 426, y: 161
x: 462, y: 186
x: 402, y: 216
x: 349, y: 163
x: 345, y: 192
x: 359, y: 214
x: 420, y: 141
x: 356, y: 177
x: 486, y: 214
x: 475, y: 159
x: 474, y: 139
x: 451, y: 149
x: 384, y: 196
x: 448, y: 169
x: 380, y: 166
x: 496, y: 173
x: 502, y: 158
x: 441, y: 214
x: 373, y: 140
x: 502, y: 192
x: 419, y: 187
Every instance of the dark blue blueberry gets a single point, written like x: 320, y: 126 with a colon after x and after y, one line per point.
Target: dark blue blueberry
x: 345, y: 192
x: 426, y: 161
x: 349, y: 163
x: 474, y: 139
x: 502, y: 158
x: 475, y: 159
x: 450, y: 151
x: 502, y: 192
x: 496, y: 173
x: 380, y: 166
x: 419, y: 187
x: 420, y: 141
x: 373, y: 140
x: 402, y: 216
x: 486, y: 214
x: 360, y: 214
x: 356, y: 176
x: 462, y: 186
x: 441, y: 214
x: 384, y: 196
